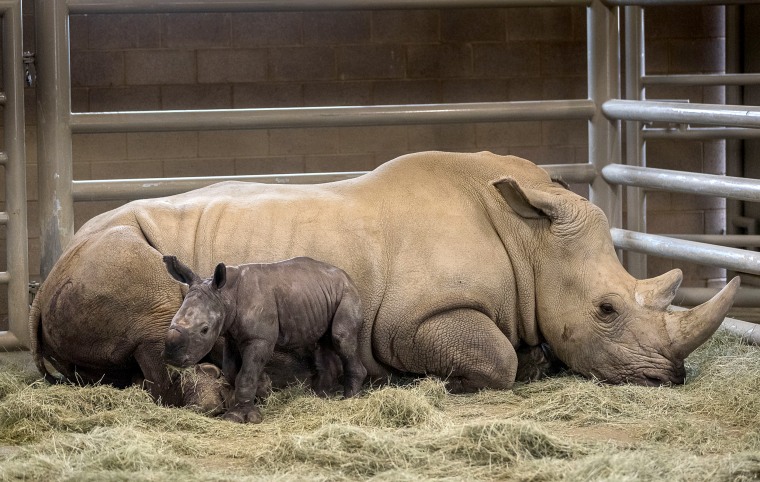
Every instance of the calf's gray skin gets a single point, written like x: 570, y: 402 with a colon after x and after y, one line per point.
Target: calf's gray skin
x: 459, y: 259
x: 300, y: 305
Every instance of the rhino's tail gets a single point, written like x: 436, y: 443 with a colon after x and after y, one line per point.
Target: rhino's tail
x: 35, y: 337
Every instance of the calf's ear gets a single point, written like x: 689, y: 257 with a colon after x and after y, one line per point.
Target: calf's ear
x: 527, y: 203
x: 180, y: 271
x: 220, y: 276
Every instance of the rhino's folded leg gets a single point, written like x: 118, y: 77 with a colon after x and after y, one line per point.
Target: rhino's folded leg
x: 462, y: 346
x: 159, y: 382
x: 206, y: 390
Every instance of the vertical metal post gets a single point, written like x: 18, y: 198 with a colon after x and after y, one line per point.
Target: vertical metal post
x: 635, y: 147
x: 603, y: 84
x: 54, y: 158
x: 15, y: 175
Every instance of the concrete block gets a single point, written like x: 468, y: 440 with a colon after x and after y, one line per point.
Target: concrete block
x: 206, y: 96
x: 371, y: 62
x: 405, y: 26
x: 85, y: 211
x: 563, y: 58
x: 508, y: 134
x: 395, y: 92
x: 433, y: 61
x: 473, y: 25
x: 694, y: 21
x: 80, y: 102
x: 97, y: 68
x: 539, y: 23
x: 676, y: 222
x: 193, y: 30
x: 162, y: 145
x: 441, y: 137
x: 339, y: 163
x: 302, y: 63
x: 160, y: 67
x: 507, y: 60
x: 267, y: 94
x: 127, y: 169
x: 99, y: 147
x: 269, y: 165
x: 141, y: 97
x: 543, y: 154
x: 373, y: 139
x: 309, y: 141
x: 564, y: 88
x: 125, y: 31
x: 677, y: 155
x: 714, y: 161
x: 338, y: 27
x: 564, y: 133
x: 79, y: 32
x: 337, y: 93
x: 233, y: 144
x: 267, y: 28
x: 198, y: 167
x: 217, y: 66
x: 697, y: 56
x: 474, y: 90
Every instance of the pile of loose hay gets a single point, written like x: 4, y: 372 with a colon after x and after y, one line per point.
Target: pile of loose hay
x: 564, y: 428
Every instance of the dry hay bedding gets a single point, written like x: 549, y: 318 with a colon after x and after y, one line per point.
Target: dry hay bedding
x: 564, y: 428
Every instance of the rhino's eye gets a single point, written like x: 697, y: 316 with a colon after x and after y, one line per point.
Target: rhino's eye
x: 607, y: 309
x: 204, y: 330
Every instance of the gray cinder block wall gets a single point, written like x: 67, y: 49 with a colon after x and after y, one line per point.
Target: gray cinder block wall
x: 185, y: 61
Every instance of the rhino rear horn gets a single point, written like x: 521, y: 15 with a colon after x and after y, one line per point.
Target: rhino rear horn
x: 657, y: 293
x: 689, y: 329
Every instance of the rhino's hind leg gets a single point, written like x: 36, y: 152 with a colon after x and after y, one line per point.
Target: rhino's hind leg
x: 345, y: 329
x: 465, y: 348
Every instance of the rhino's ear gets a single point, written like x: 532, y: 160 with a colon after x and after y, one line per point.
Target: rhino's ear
x: 180, y: 271
x: 528, y: 203
x: 220, y: 276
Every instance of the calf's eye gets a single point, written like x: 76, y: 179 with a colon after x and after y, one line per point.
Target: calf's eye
x: 204, y: 330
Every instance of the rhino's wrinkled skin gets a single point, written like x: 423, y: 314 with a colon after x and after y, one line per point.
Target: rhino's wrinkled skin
x: 299, y: 305
x: 459, y: 258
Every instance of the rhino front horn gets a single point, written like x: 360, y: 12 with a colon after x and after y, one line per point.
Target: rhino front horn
x: 689, y: 329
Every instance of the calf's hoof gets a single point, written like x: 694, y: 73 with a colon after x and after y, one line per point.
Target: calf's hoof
x: 243, y: 416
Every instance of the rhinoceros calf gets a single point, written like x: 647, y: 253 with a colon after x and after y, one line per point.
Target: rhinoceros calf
x: 458, y: 258
x: 296, y: 304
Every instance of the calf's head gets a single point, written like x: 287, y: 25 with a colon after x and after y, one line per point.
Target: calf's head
x: 598, y: 319
x: 199, y: 321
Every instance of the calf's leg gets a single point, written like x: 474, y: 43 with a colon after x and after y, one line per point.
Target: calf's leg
x: 345, y: 328
x: 254, y: 355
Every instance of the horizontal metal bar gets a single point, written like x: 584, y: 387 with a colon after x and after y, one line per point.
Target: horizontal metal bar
x: 3, y: 157
x: 175, y: 6
x: 5, y: 277
x: 702, y: 79
x: 4, y: 218
x: 685, y: 113
x: 151, y: 121
x: 700, y: 253
x: 686, y: 182
x: 745, y: 297
x: 661, y: 3
x: 127, y: 189
x: 696, y: 133
x: 3, y: 98
x: 572, y: 173
x: 130, y: 189
x: 733, y: 240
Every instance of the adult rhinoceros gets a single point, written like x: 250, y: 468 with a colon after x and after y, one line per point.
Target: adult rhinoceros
x: 459, y: 259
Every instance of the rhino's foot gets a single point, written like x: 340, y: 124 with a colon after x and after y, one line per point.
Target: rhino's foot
x: 243, y: 415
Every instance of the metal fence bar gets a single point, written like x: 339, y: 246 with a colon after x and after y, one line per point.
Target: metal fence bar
x: 702, y: 79
x: 687, y: 182
x: 709, y: 114
x: 697, y: 133
x: 734, y: 240
x: 205, y: 6
x: 54, y: 157
x: 746, y: 297
x: 17, y: 275
x: 130, y: 189
x: 662, y: 3
x: 330, y: 116
x: 603, y: 65
x: 700, y: 253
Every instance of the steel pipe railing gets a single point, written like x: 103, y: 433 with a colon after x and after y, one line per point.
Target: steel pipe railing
x: 745, y: 297
x: 686, y: 182
x: 661, y: 3
x: 702, y: 79
x: 152, y: 121
x: 698, y: 133
x: 733, y: 240
x: 731, y: 258
x: 683, y: 113
x: 208, y: 6
x: 130, y: 189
